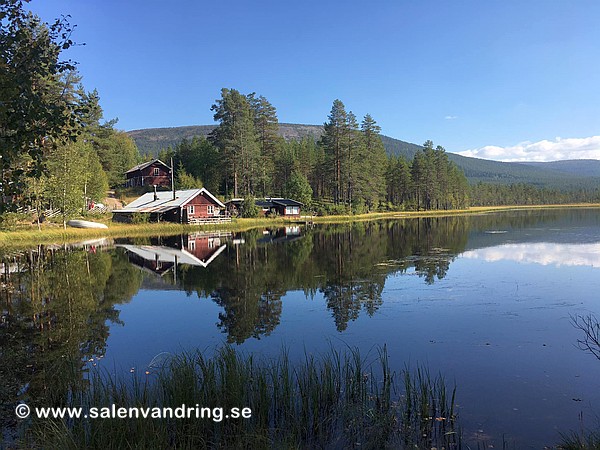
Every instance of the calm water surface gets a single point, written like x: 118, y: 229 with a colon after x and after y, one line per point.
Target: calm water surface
x: 485, y: 300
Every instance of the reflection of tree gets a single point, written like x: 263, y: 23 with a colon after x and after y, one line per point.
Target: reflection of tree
x: 346, y: 301
x: 348, y: 263
x: 250, y: 293
x: 591, y: 333
x: 432, y: 267
x: 246, y: 315
x: 56, y: 319
x: 248, y: 281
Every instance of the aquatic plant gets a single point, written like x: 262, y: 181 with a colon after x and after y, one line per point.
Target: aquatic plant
x: 334, y: 400
x: 586, y: 440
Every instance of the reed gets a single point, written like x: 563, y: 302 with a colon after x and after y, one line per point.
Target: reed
x: 334, y: 400
x: 589, y: 440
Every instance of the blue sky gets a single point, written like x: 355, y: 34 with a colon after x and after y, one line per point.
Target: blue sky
x: 500, y: 79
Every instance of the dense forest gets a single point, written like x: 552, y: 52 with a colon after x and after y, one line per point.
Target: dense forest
x: 345, y: 170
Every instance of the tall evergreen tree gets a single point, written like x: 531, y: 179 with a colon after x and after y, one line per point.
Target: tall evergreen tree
x: 267, y: 131
x: 333, y: 142
x: 351, y: 160
x: 200, y: 159
x: 236, y: 139
x: 372, y: 166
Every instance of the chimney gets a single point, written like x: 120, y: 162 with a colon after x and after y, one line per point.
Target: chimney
x: 172, y: 179
x: 155, y: 194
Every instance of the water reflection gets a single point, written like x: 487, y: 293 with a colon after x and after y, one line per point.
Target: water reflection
x: 541, y: 253
x: 590, y: 326
x: 59, y: 305
x: 57, y: 309
x: 198, y: 249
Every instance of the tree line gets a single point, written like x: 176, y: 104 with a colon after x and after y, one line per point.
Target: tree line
x: 56, y: 150
x: 346, y: 170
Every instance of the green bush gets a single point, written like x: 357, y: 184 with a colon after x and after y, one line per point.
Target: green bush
x: 139, y: 218
x: 249, y: 208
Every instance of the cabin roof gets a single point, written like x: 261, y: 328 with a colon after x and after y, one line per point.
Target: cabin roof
x: 170, y: 255
x: 165, y: 202
x: 286, y: 202
x: 267, y: 202
x: 146, y: 164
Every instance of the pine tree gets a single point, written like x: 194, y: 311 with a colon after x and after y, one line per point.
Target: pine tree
x: 236, y: 139
x: 267, y: 131
x: 333, y: 145
x: 372, y: 163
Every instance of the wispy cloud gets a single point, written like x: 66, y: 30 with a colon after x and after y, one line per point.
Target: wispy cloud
x: 558, y: 149
x: 451, y: 117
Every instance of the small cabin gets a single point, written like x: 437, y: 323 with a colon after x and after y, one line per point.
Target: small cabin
x: 151, y: 173
x: 284, y: 207
x: 191, y: 206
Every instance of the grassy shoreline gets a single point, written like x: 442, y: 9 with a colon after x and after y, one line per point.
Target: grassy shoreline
x: 54, y: 234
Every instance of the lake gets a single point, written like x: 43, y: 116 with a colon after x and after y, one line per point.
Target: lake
x: 486, y: 300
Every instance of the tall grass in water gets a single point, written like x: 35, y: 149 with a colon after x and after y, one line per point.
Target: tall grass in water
x: 589, y: 440
x: 335, y: 400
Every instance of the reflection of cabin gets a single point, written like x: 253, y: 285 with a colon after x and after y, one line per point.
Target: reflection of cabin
x: 205, y: 247
x: 150, y: 173
x: 285, y: 207
x: 187, y: 206
x: 196, y: 250
x: 151, y: 258
x: 278, y: 235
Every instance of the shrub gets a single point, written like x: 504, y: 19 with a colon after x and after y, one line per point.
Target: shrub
x: 10, y: 220
x: 139, y: 218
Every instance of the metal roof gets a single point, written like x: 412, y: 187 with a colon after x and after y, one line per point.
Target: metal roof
x: 267, y: 202
x: 146, y: 164
x: 169, y: 254
x: 164, y: 201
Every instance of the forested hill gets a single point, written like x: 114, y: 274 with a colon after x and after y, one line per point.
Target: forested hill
x: 561, y: 174
x: 151, y: 140
x: 582, y: 167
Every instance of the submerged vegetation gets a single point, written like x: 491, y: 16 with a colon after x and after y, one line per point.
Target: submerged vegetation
x: 334, y: 400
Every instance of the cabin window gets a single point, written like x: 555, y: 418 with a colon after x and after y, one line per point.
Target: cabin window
x: 156, y: 171
x: 210, y: 209
x: 293, y: 210
x: 191, y: 209
x: 211, y: 243
x: 192, y: 245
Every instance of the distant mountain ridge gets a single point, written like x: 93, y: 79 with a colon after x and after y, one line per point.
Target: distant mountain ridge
x: 572, y: 174
x: 582, y: 167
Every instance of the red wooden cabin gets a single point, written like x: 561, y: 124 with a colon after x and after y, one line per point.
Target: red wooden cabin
x: 150, y: 173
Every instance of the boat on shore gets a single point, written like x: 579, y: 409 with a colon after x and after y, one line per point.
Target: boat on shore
x: 85, y: 224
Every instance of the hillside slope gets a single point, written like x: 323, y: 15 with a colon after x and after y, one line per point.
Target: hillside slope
x: 581, y: 167
x: 559, y: 174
